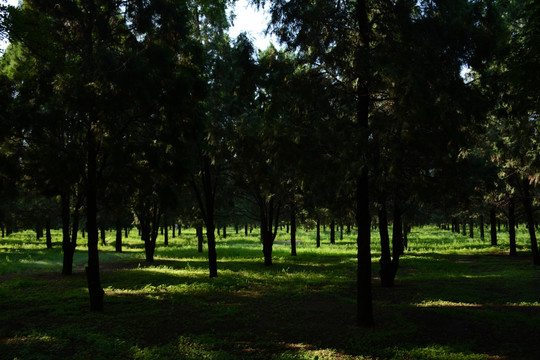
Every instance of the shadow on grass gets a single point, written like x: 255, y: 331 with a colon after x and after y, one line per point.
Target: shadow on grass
x: 442, y: 307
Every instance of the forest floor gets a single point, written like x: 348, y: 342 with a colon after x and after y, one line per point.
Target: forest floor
x: 454, y: 298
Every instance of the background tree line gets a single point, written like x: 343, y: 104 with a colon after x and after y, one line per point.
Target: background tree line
x: 400, y: 112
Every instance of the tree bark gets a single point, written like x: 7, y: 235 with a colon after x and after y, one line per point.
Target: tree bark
x: 332, y: 232
x: 165, y: 232
x: 118, y: 242
x: 363, y: 219
x: 103, y: 241
x: 95, y: 290
x: 48, y: 237
x: 493, y: 223
x: 293, y: 230
x: 67, y: 248
x: 269, y: 215
x: 471, y: 228
x: 318, y: 238
x: 206, y: 201
x: 527, y: 205
x: 200, y: 239
x: 512, y: 227
x: 482, y: 227
x: 386, y: 272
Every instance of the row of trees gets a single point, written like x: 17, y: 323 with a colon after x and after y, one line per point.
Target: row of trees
x: 146, y: 110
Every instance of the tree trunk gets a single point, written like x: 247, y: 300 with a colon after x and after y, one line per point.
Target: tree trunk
x: 102, y: 231
x: 48, y: 237
x: 269, y: 215
x: 118, y: 242
x: 149, y: 243
x: 397, y: 239
x: 332, y: 232
x: 471, y: 228
x: 512, y: 227
x: 482, y: 227
x: 246, y: 230
x: 205, y: 198
x: 224, y: 231
x: 464, y: 228
x: 293, y: 230
x: 266, y: 237
x: 67, y: 248
x: 363, y: 219
x: 173, y: 228
x: 318, y: 233
x: 95, y: 290
x: 527, y: 205
x: 212, y: 254
x: 406, y: 230
x: 200, y: 239
x: 341, y: 232
x: 493, y: 223
x: 386, y: 272
x: 165, y: 232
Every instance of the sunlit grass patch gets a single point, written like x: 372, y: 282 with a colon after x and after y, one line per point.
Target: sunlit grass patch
x: 444, y: 303
x: 437, y: 352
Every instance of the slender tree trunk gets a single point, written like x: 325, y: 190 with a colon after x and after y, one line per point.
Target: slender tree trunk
x: 206, y: 200
x: 48, y: 237
x: 95, y: 290
x: 512, y: 227
x: 386, y: 273
x: 482, y: 227
x: 173, y: 228
x: 103, y: 240
x: 318, y: 233
x: 363, y: 218
x: 527, y: 205
x: 246, y: 230
x: 363, y: 241
x: 126, y: 232
x: 406, y: 230
x: 118, y: 242
x: 293, y: 230
x: 165, y: 232
x: 493, y: 223
x: 200, y: 239
x: 332, y: 232
x: 224, y: 231
x: 471, y: 228
x: 397, y: 239
x: 67, y: 248
x: 149, y: 245
x: 464, y: 228
x: 341, y: 232
x: 179, y: 229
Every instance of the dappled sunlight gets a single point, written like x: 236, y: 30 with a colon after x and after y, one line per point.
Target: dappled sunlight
x: 444, y: 303
x: 450, y: 304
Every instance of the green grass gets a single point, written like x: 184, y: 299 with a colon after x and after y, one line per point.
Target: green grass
x: 454, y: 298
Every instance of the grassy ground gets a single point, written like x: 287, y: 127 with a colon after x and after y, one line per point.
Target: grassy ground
x: 455, y: 298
